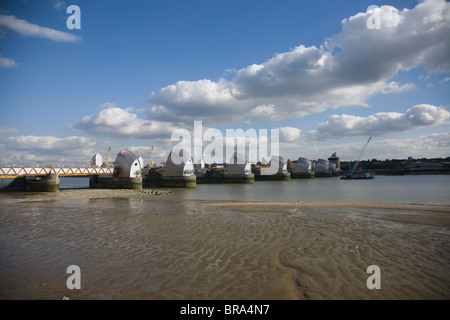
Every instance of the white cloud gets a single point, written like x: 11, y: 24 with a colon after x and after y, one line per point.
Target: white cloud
x: 289, y: 134
x: 76, y: 150
x: 74, y: 144
x: 268, y: 112
x: 312, y: 79
x: 5, y: 129
x: 7, y: 62
x: 187, y: 101
x: 159, y: 154
x: 436, y: 145
x: 120, y: 123
x: 378, y: 124
x: 25, y: 150
x: 107, y: 105
x: 59, y: 4
x: 30, y: 29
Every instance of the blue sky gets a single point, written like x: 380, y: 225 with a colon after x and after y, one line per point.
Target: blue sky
x: 136, y: 70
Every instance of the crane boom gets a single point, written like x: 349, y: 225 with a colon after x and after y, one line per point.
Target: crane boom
x: 291, y: 164
x: 359, y: 157
x: 105, y: 164
x: 151, y: 156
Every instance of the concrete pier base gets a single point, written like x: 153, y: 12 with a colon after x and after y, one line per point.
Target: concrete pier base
x: 273, y: 177
x: 128, y: 183
x: 211, y: 177
x: 179, y: 182
x: 219, y: 177
x: 110, y: 182
x: 101, y: 182
x: 152, y: 179
x: 323, y: 174
x: 13, y: 184
x: 303, y: 175
x: 240, y: 178
x: 48, y: 183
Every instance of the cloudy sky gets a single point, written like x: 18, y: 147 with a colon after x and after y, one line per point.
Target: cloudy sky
x: 327, y: 74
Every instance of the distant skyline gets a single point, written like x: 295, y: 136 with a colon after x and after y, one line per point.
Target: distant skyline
x: 327, y: 74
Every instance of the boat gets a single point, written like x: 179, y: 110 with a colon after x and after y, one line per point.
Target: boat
x: 356, y: 176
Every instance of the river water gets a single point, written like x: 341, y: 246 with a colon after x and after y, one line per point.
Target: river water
x: 179, y: 246
x: 417, y: 189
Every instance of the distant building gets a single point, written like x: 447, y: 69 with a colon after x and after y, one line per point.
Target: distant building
x: 183, y: 165
x: 302, y: 169
x: 335, y: 159
x: 179, y: 170
x: 127, y: 165
x: 97, y: 160
x: 239, y: 169
x: 322, y: 168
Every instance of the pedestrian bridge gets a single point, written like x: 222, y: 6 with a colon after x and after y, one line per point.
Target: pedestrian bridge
x: 13, y: 172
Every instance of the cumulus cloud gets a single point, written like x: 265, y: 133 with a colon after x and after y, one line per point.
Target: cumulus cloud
x: 378, y: 124
x: 187, y: 101
x: 159, y: 155
x: 7, y: 62
x: 436, y: 145
x: 30, y: 29
x: 347, y: 69
x: 26, y: 150
x: 289, y: 134
x: 120, y: 123
x: 45, y: 144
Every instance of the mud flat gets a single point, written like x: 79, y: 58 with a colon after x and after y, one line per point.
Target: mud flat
x: 97, y: 194
x: 390, y: 206
x: 136, y: 246
x: 332, y: 244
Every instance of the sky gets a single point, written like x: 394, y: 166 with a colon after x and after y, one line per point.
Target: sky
x: 327, y: 74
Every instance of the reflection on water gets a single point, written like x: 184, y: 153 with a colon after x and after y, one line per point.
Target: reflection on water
x: 418, y: 189
x: 73, y: 182
x: 423, y: 189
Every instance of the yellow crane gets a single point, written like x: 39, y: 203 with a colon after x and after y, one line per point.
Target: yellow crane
x: 105, y: 164
x: 266, y: 164
x: 291, y: 164
x: 151, y: 156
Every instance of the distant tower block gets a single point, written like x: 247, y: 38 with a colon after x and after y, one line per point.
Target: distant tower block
x: 335, y: 159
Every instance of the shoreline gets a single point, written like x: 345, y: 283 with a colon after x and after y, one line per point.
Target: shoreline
x: 389, y: 206
x: 87, y: 193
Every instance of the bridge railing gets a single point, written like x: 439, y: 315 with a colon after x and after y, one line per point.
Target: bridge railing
x: 61, y: 171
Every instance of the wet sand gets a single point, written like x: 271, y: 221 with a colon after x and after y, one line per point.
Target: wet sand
x: 131, y: 245
x: 338, y: 241
x: 390, y: 206
x: 95, y: 194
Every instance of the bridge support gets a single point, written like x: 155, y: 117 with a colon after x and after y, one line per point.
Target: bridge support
x: 48, y: 183
x: 179, y: 182
x: 12, y: 184
x: 110, y: 182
